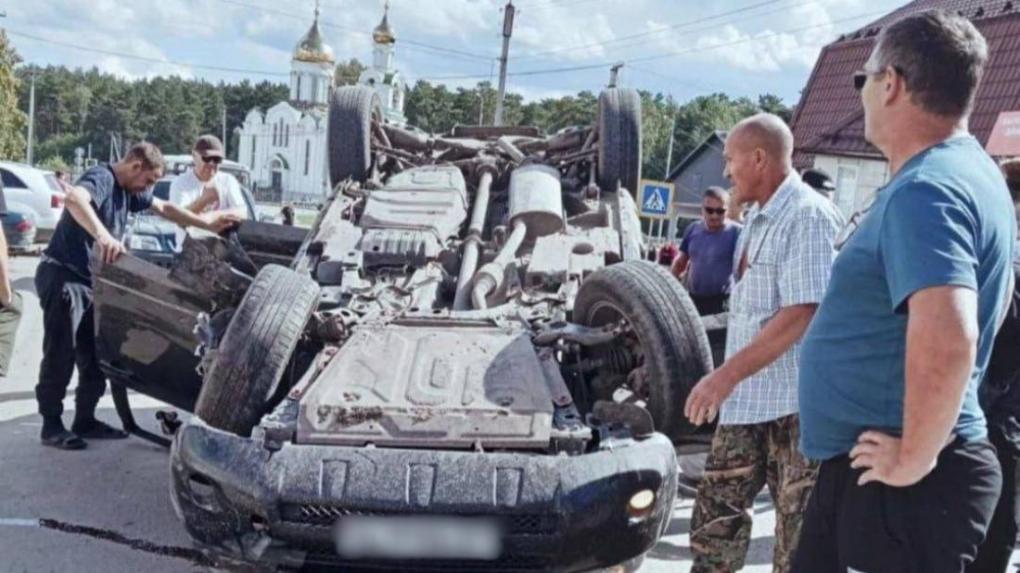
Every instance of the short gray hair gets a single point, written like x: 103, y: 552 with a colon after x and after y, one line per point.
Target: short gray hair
x: 941, y: 57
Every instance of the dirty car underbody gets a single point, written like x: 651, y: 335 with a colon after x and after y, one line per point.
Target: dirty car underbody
x: 436, y: 367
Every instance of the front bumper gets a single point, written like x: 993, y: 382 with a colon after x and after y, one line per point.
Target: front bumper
x: 558, y: 513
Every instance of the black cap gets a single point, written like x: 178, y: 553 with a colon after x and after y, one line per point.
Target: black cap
x: 209, y: 146
x: 818, y: 179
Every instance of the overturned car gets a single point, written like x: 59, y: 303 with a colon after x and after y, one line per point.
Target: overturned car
x: 463, y: 363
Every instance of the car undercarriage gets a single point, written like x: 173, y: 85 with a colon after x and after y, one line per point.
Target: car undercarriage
x: 466, y: 336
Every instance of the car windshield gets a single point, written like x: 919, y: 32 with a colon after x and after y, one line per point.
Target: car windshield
x: 161, y: 190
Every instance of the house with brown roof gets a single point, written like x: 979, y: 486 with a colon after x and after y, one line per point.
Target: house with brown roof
x: 828, y: 124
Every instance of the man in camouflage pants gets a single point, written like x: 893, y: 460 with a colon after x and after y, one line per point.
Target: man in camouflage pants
x: 782, y: 264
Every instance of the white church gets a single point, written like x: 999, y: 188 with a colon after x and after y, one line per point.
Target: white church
x: 286, y: 147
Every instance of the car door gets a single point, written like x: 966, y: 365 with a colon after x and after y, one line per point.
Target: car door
x: 145, y: 330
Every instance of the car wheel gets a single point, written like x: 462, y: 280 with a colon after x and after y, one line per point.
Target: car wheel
x: 351, y: 113
x: 255, y: 349
x: 663, y: 350
x: 619, y: 155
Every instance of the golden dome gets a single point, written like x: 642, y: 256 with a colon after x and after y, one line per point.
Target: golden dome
x: 311, y: 48
x: 383, y: 33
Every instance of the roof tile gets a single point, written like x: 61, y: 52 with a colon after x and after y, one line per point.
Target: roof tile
x: 830, y: 118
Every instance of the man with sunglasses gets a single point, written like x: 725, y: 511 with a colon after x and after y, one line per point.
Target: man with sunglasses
x: 204, y: 189
x: 891, y: 364
x: 706, y: 253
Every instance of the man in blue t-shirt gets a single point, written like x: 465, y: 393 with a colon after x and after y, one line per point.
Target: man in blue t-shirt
x: 95, y: 217
x: 706, y: 254
x: 890, y: 366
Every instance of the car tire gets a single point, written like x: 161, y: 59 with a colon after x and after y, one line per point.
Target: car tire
x: 351, y: 112
x: 619, y: 155
x: 255, y: 350
x: 667, y: 327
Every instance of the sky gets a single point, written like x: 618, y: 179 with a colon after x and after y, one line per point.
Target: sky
x: 681, y: 48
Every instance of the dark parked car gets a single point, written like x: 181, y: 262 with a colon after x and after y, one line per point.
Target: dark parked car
x: 19, y: 228
x: 463, y: 364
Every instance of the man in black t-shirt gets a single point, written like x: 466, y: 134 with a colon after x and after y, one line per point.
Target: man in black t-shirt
x: 95, y: 218
x: 999, y: 395
x: 10, y: 301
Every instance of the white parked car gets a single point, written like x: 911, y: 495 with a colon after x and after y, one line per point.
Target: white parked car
x: 36, y: 189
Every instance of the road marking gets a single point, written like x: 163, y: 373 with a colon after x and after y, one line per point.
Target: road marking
x: 15, y: 522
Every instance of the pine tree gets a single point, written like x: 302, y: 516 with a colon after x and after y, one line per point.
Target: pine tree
x: 12, y: 119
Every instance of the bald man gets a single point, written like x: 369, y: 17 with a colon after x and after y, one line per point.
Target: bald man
x: 781, y: 269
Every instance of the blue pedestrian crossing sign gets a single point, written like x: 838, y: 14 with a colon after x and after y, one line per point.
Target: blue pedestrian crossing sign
x: 656, y: 197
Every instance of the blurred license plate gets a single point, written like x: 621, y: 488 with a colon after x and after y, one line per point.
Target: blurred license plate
x: 418, y: 537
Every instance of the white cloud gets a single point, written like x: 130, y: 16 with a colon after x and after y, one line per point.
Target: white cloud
x: 570, y: 36
x: 753, y: 43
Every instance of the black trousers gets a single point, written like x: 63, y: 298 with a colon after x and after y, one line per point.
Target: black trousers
x: 933, y: 526
x: 994, y: 554
x: 63, y: 348
x: 709, y: 304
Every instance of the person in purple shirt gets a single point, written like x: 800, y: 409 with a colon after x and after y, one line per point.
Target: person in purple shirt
x: 706, y: 254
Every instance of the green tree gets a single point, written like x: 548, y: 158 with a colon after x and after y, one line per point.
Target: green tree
x: 12, y: 119
x: 347, y: 73
x: 772, y: 103
x: 54, y: 163
x: 697, y: 118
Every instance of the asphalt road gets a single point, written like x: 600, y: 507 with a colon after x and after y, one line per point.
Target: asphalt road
x: 107, y: 508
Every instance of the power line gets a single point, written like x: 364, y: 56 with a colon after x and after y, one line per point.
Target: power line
x: 135, y: 57
x: 666, y: 55
x: 754, y: 38
x: 672, y: 27
x: 328, y: 24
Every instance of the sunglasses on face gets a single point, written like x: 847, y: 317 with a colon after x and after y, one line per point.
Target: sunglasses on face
x: 213, y: 160
x: 861, y: 76
x: 714, y: 211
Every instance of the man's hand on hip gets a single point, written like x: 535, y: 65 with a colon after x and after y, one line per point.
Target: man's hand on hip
x: 707, y: 397
x: 879, y: 454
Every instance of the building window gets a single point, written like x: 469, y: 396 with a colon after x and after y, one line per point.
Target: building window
x: 274, y: 135
x: 286, y: 136
x: 298, y: 95
x: 308, y: 153
x: 253, y: 139
x: 315, y: 90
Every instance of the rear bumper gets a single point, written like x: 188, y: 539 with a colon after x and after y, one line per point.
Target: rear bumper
x: 558, y: 513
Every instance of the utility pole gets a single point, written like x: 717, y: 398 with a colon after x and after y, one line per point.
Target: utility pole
x: 224, y: 139
x: 669, y: 149
x: 31, y: 121
x: 508, y: 28
x: 671, y: 227
x: 614, y: 73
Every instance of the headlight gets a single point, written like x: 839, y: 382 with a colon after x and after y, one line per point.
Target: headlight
x: 641, y: 504
x: 143, y: 243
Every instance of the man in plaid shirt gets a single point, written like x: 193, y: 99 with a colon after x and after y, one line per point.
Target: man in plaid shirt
x: 781, y: 269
